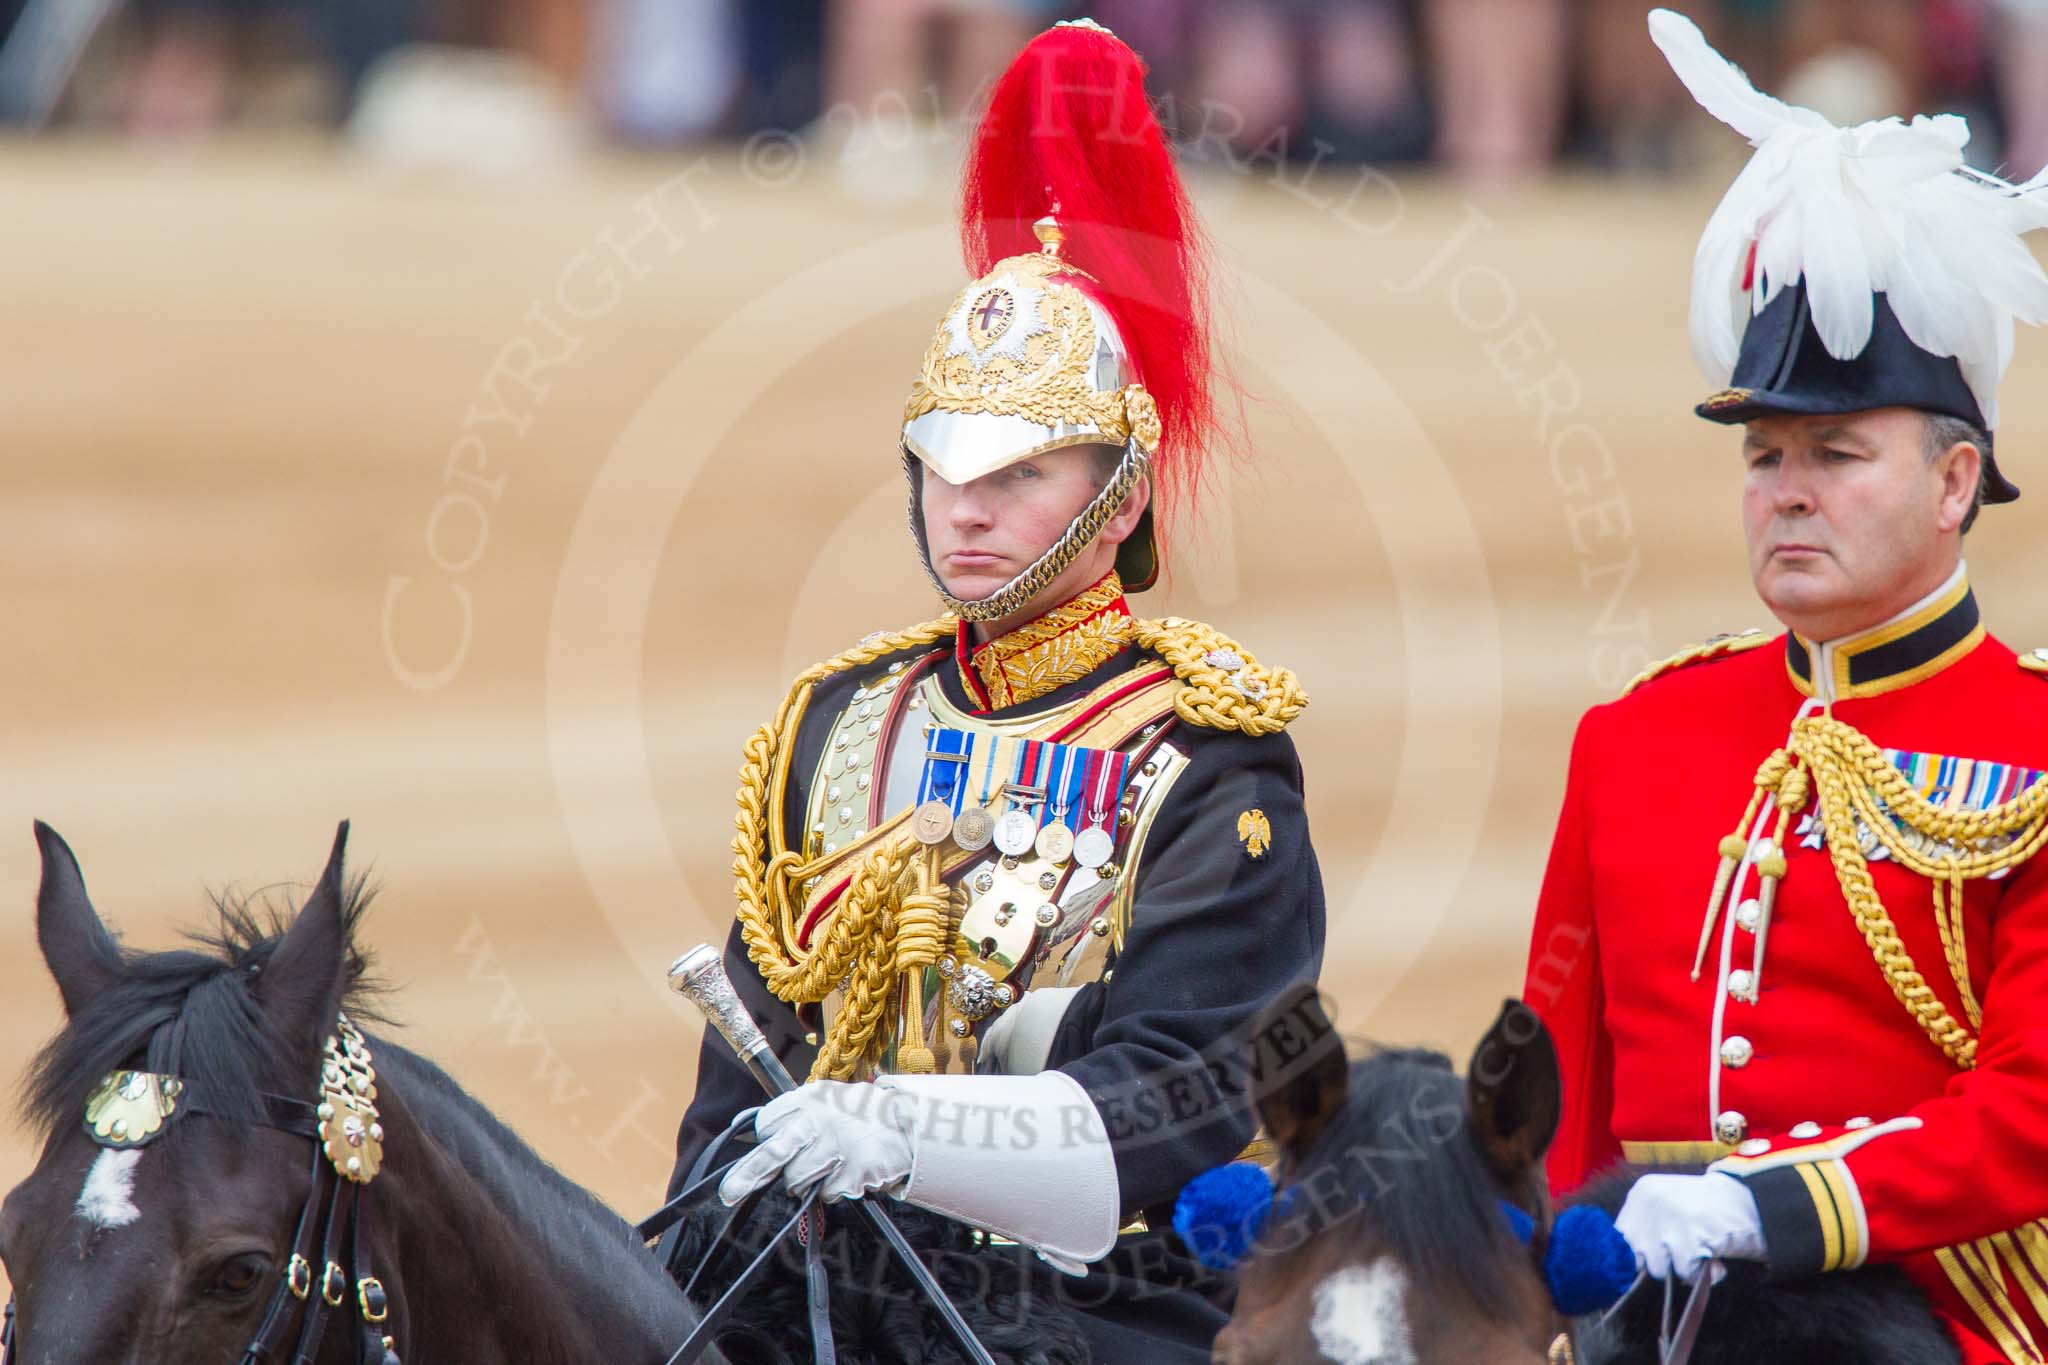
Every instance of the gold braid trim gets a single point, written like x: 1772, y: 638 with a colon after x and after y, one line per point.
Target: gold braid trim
x: 861, y: 945
x: 893, y: 917
x: 1713, y: 647
x: 1249, y: 698
x: 1854, y: 779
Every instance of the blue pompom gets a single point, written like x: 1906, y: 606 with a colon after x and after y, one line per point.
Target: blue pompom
x: 1220, y: 1212
x: 1519, y: 1223
x: 1589, y: 1265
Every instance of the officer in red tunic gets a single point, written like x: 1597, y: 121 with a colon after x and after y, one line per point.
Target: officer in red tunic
x: 1794, y: 926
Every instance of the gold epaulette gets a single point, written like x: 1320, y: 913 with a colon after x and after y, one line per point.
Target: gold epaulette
x: 1713, y: 647
x: 2035, y: 661
x: 1222, y: 687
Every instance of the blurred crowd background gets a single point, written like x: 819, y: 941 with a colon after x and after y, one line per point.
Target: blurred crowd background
x: 1491, y: 89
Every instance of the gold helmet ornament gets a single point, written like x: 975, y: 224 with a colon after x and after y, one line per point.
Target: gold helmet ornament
x: 1087, y: 323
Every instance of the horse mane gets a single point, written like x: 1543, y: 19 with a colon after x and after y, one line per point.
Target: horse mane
x: 1404, y: 1151
x: 194, y: 1012
x: 584, y: 1234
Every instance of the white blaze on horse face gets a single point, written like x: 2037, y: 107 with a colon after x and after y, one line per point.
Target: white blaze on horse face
x: 108, y: 1199
x: 1361, y: 1316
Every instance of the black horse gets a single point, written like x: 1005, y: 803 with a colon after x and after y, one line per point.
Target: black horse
x: 178, y: 1249
x: 1392, y: 1237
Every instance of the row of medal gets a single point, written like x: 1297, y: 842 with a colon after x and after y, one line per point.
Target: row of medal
x: 1057, y: 799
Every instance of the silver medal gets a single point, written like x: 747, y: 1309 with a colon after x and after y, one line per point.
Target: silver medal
x: 1093, y: 846
x: 1015, y: 833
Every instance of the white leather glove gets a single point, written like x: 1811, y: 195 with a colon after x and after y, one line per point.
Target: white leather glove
x: 834, y: 1130
x: 1679, y: 1223
x: 1025, y: 1157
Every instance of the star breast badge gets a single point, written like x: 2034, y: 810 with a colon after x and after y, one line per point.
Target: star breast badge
x: 1255, y: 832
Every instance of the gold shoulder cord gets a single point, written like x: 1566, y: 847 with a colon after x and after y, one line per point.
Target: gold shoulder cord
x: 892, y: 917
x: 1222, y: 687
x: 1713, y: 647
x: 1853, y: 779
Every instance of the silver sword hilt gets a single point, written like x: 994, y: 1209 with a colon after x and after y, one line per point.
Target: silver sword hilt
x: 700, y: 975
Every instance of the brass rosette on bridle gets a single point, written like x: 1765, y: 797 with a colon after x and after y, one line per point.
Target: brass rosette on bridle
x: 128, y: 1108
x: 350, y: 1134
x: 1024, y: 362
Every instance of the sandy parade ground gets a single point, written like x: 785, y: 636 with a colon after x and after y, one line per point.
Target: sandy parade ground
x: 493, y: 515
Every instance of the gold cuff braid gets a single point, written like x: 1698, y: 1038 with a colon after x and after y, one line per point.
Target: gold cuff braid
x: 891, y: 919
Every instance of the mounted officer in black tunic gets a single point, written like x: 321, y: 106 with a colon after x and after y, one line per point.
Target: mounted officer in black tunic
x: 1014, y: 883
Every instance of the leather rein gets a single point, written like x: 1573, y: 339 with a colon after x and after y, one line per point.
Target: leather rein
x: 128, y: 1109
x: 807, y: 1225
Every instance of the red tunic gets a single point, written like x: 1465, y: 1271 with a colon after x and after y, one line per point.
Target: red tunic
x: 1858, y: 1135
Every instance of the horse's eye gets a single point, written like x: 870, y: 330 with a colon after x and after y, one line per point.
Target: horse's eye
x: 237, y: 1276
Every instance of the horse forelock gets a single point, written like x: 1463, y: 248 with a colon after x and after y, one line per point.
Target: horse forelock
x: 1412, y: 1183
x: 195, y: 1012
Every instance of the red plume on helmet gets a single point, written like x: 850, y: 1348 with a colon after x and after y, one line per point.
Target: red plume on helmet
x: 1068, y: 125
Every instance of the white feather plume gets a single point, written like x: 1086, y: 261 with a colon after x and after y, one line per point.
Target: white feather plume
x: 1884, y: 207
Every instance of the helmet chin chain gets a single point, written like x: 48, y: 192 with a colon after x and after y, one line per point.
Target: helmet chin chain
x: 1012, y: 596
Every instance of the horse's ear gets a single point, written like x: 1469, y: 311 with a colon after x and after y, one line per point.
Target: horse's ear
x: 1302, y: 1052
x: 301, y: 985
x: 77, y: 948
x: 1513, y: 1092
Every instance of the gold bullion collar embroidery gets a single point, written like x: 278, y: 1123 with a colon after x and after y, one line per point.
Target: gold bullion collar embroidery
x: 1067, y: 643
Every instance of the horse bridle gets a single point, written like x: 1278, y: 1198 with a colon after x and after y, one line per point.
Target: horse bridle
x: 128, y: 1109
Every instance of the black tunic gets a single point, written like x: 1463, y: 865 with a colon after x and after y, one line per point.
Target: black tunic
x: 1214, y: 934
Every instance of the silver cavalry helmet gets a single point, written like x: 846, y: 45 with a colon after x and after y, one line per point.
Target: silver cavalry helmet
x: 1024, y: 362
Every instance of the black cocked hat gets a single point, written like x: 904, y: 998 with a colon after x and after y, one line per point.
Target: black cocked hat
x: 1784, y: 369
